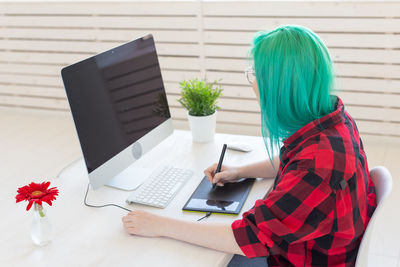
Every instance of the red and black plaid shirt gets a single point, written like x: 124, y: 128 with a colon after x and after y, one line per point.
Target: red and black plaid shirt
x: 321, y: 201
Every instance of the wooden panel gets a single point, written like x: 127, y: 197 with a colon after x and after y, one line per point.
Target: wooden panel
x: 233, y: 91
x: 53, y: 61
x: 337, y: 54
x: 370, y: 40
x: 365, y: 55
x: 224, y: 116
x: 107, y: 22
x: 363, y: 106
x: 358, y: 40
x: 63, y: 59
x: 177, y: 76
x: 31, y: 79
x: 56, y: 81
x: 55, y: 70
x: 368, y: 70
x: 227, y: 104
x: 371, y: 110
x: 29, y: 70
x: 343, y: 83
x: 38, y: 91
x: 181, y: 63
x: 103, y: 8
x: 357, y: 112
x: 48, y: 103
x: 305, y: 8
x: 223, y: 127
x: 316, y: 24
x: 230, y: 91
x: 379, y: 128
x: 184, y: 63
x: 251, y: 105
x: 42, y: 57
x: 373, y: 113
x: 244, y: 90
x: 371, y: 99
x: 122, y: 35
x: 341, y: 69
x: 364, y: 126
x: 368, y: 85
x: 93, y: 47
x: 21, y: 68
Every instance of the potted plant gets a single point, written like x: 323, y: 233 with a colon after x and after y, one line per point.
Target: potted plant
x: 199, y: 97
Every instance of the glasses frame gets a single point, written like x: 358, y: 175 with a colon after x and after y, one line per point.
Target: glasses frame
x: 250, y: 74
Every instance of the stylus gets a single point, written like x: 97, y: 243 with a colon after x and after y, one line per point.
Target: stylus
x: 221, y: 158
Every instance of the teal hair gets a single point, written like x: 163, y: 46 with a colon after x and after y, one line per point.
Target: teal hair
x: 294, y: 74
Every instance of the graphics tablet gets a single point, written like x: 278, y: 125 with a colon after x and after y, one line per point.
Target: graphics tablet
x: 227, y: 199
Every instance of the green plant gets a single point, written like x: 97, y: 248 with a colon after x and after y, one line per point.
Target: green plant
x: 199, y: 97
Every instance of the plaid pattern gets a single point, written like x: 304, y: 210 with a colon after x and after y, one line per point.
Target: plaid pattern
x: 321, y: 201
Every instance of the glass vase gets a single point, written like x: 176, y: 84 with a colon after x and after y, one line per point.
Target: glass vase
x: 41, y: 227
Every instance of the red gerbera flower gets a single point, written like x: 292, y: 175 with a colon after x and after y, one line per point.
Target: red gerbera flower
x: 37, y: 193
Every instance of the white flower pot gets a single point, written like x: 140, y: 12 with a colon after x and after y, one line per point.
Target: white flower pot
x: 203, y: 127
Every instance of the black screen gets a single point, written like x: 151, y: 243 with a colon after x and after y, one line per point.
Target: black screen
x: 116, y: 97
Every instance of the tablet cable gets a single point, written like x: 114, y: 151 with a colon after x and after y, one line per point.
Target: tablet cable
x: 102, y: 206
x: 207, y: 215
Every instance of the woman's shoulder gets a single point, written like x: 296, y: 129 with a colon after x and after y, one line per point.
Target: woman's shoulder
x: 331, y: 156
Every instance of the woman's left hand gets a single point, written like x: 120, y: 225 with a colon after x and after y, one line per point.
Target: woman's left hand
x: 143, y: 223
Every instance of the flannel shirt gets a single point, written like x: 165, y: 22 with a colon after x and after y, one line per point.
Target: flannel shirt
x: 321, y: 201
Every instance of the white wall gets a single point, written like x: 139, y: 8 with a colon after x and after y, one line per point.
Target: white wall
x: 196, y: 38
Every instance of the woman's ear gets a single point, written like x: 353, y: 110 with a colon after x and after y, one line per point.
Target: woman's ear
x: 255, y: 89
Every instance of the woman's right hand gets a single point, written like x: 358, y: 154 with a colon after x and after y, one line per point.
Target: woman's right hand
x: 226, y: 175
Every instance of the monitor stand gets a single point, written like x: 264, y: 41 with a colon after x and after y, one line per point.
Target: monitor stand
x: 130, y: 178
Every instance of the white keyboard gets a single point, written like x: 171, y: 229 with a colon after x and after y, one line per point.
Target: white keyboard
x: 161, y: 187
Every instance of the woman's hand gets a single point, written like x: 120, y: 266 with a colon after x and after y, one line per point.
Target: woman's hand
x: 143, y: 223
x: 226, y: 175
x: 210, y: 235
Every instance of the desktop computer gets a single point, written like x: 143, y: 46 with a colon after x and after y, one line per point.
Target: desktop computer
x: 120, y: 110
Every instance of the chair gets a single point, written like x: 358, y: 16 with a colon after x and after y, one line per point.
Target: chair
x: 383, y: 186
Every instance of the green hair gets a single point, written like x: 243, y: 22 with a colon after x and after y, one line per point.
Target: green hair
x: 294, y: 74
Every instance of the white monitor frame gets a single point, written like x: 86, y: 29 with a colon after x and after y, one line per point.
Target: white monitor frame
x: 119, y: 172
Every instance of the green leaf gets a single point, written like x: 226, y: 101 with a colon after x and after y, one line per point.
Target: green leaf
x: 199, y: 97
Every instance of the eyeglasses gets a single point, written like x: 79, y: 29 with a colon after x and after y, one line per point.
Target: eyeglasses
x: 250, y: 74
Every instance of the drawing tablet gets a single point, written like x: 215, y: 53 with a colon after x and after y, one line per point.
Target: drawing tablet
x: 226, y: 199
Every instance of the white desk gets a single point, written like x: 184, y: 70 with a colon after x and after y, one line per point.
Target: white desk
x: 86, y: 236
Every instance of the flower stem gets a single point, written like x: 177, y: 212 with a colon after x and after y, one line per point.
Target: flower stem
x: 41, y: 213
x: 40, y: 210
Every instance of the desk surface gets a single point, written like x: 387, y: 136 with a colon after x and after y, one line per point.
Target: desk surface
x: 36, y: 145
x: 95, y: 237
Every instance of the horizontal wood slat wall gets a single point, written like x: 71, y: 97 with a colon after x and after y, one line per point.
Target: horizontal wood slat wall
x: 204, y: 39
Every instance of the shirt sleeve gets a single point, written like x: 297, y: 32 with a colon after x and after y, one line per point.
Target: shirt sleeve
x: 300, y: 208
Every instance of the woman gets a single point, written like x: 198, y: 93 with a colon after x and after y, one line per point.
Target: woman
x: 322, y: 197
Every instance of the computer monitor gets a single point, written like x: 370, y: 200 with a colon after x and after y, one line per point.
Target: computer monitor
x: 120, y: 109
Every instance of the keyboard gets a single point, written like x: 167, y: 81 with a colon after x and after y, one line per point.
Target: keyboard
x: 161, y: 187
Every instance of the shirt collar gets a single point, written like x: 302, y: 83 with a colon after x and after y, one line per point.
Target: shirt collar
x: 316, y: 126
